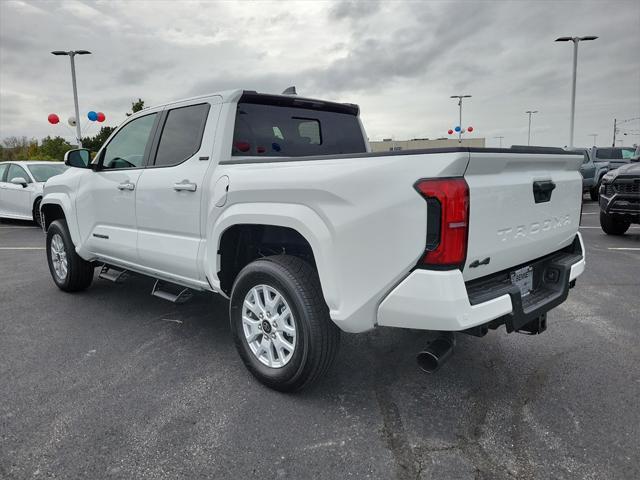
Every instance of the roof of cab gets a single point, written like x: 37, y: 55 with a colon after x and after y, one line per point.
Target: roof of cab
x: 231, y: 96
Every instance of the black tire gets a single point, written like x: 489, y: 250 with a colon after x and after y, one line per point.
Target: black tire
x: 594, y: 192
x: 317, y: 337
x: 37, y: 218
x: 613, y: 225
x: 79, y: 273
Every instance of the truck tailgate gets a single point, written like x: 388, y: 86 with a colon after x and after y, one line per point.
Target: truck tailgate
x: 522, y: 206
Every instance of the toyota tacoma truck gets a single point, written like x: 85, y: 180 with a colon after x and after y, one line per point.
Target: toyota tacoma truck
x: 620, y: 199
x: 277, y: 203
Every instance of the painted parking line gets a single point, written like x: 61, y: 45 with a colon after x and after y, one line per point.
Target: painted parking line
x: 624, y: 248
x: 590, y: 213
x: 22, y: 248
x: 8, y: 228
x: 601, y: 227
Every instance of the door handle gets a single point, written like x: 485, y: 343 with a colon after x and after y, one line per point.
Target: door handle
x: 185, y: 186
x: 126, y: 186
x: 542, y: 190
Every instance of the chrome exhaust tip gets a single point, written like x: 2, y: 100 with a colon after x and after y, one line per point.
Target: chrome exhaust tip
x: 436, y: 353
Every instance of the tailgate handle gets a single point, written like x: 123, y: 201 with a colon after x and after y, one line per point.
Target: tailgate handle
x: 542, y: 190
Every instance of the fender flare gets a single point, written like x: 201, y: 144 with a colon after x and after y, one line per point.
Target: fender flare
x: 63, y: 202
x: 300, y: 218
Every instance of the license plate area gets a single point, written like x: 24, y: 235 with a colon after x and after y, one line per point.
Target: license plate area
x: 523, y: 279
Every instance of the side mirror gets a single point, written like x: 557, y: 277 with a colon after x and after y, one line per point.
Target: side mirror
x: 19, y: 181
x: 80, y: 158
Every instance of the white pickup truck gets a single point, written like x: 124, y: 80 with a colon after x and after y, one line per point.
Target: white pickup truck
x: 276, y: 202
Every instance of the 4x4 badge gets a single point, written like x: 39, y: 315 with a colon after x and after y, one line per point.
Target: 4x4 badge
x: 477, y: 263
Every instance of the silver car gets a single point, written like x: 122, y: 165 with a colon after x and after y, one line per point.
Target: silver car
x: 21, y: 185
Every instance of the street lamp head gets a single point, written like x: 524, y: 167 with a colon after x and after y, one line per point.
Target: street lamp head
x: 72, y: 52
x: 575, y: 39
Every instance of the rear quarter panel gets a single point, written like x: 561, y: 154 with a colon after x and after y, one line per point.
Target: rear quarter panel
x: 374, y: 222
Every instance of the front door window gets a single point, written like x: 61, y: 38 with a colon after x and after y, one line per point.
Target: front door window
x: 127, y: 148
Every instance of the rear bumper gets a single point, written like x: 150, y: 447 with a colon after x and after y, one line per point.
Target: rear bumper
x: 441, y: 300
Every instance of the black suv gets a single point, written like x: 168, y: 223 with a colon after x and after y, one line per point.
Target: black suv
x: 620, y: 199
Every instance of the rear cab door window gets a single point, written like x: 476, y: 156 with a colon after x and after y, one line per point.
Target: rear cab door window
x: 181, y: 134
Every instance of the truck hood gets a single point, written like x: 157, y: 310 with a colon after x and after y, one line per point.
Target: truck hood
x: 628, y: 170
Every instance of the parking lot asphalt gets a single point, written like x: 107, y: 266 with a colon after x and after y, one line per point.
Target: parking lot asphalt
x: 115, y: 383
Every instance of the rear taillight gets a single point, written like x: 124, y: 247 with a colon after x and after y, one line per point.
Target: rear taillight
x: 447, y: 222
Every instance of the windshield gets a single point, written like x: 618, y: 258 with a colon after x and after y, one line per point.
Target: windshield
x: 628, y: 152
x: 43, y: 172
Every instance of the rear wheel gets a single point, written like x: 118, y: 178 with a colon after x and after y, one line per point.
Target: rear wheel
x: 280, y: 323
x: 613, y: 224
x: 37, y: 217
x: 70, y: 272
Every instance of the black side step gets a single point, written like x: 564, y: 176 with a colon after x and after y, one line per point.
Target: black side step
x: 171, y: 292
x: 113, y: 274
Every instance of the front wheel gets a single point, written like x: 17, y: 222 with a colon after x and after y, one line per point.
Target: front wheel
x: 613, y: 225
x: 70, y: 272
x: 593, y: 192
x: 280, y: 323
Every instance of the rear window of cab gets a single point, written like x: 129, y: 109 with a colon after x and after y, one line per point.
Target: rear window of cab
x: 290, y: 131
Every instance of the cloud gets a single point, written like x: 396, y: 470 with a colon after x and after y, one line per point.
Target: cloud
x: 399, y: 60
x: 353, y: 10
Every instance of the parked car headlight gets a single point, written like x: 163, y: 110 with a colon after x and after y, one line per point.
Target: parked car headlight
x: 609, y: 177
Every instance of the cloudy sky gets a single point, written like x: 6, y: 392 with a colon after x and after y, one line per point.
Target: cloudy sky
x: 400, y: 61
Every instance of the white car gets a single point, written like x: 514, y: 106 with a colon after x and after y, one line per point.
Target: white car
x: 21, y: 185
x: 276, y: 202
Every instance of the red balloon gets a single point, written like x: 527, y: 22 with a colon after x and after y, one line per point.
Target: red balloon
x: 469, y: 129
x: 450, y: 132
x: 101, y: 117
x: 53, y: 118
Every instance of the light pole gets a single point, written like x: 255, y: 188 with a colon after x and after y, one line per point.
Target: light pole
x: 72, y: 54
x: 617, y: 130
x: 575, y: 41
x: 530, y: 112
x: 594, y: 135
x: 460, y: 97
x: 500, y: 137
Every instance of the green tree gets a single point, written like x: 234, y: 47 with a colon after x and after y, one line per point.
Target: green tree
x: 54, y: 148
x: 94, y: 143
x: 19, y: 148
x: 136, y: 107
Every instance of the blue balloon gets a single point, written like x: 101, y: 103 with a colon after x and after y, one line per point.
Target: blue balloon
x: 457, y: 129
x: 93, y: 116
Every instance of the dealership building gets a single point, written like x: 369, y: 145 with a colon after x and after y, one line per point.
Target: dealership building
x: 390, y: 145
